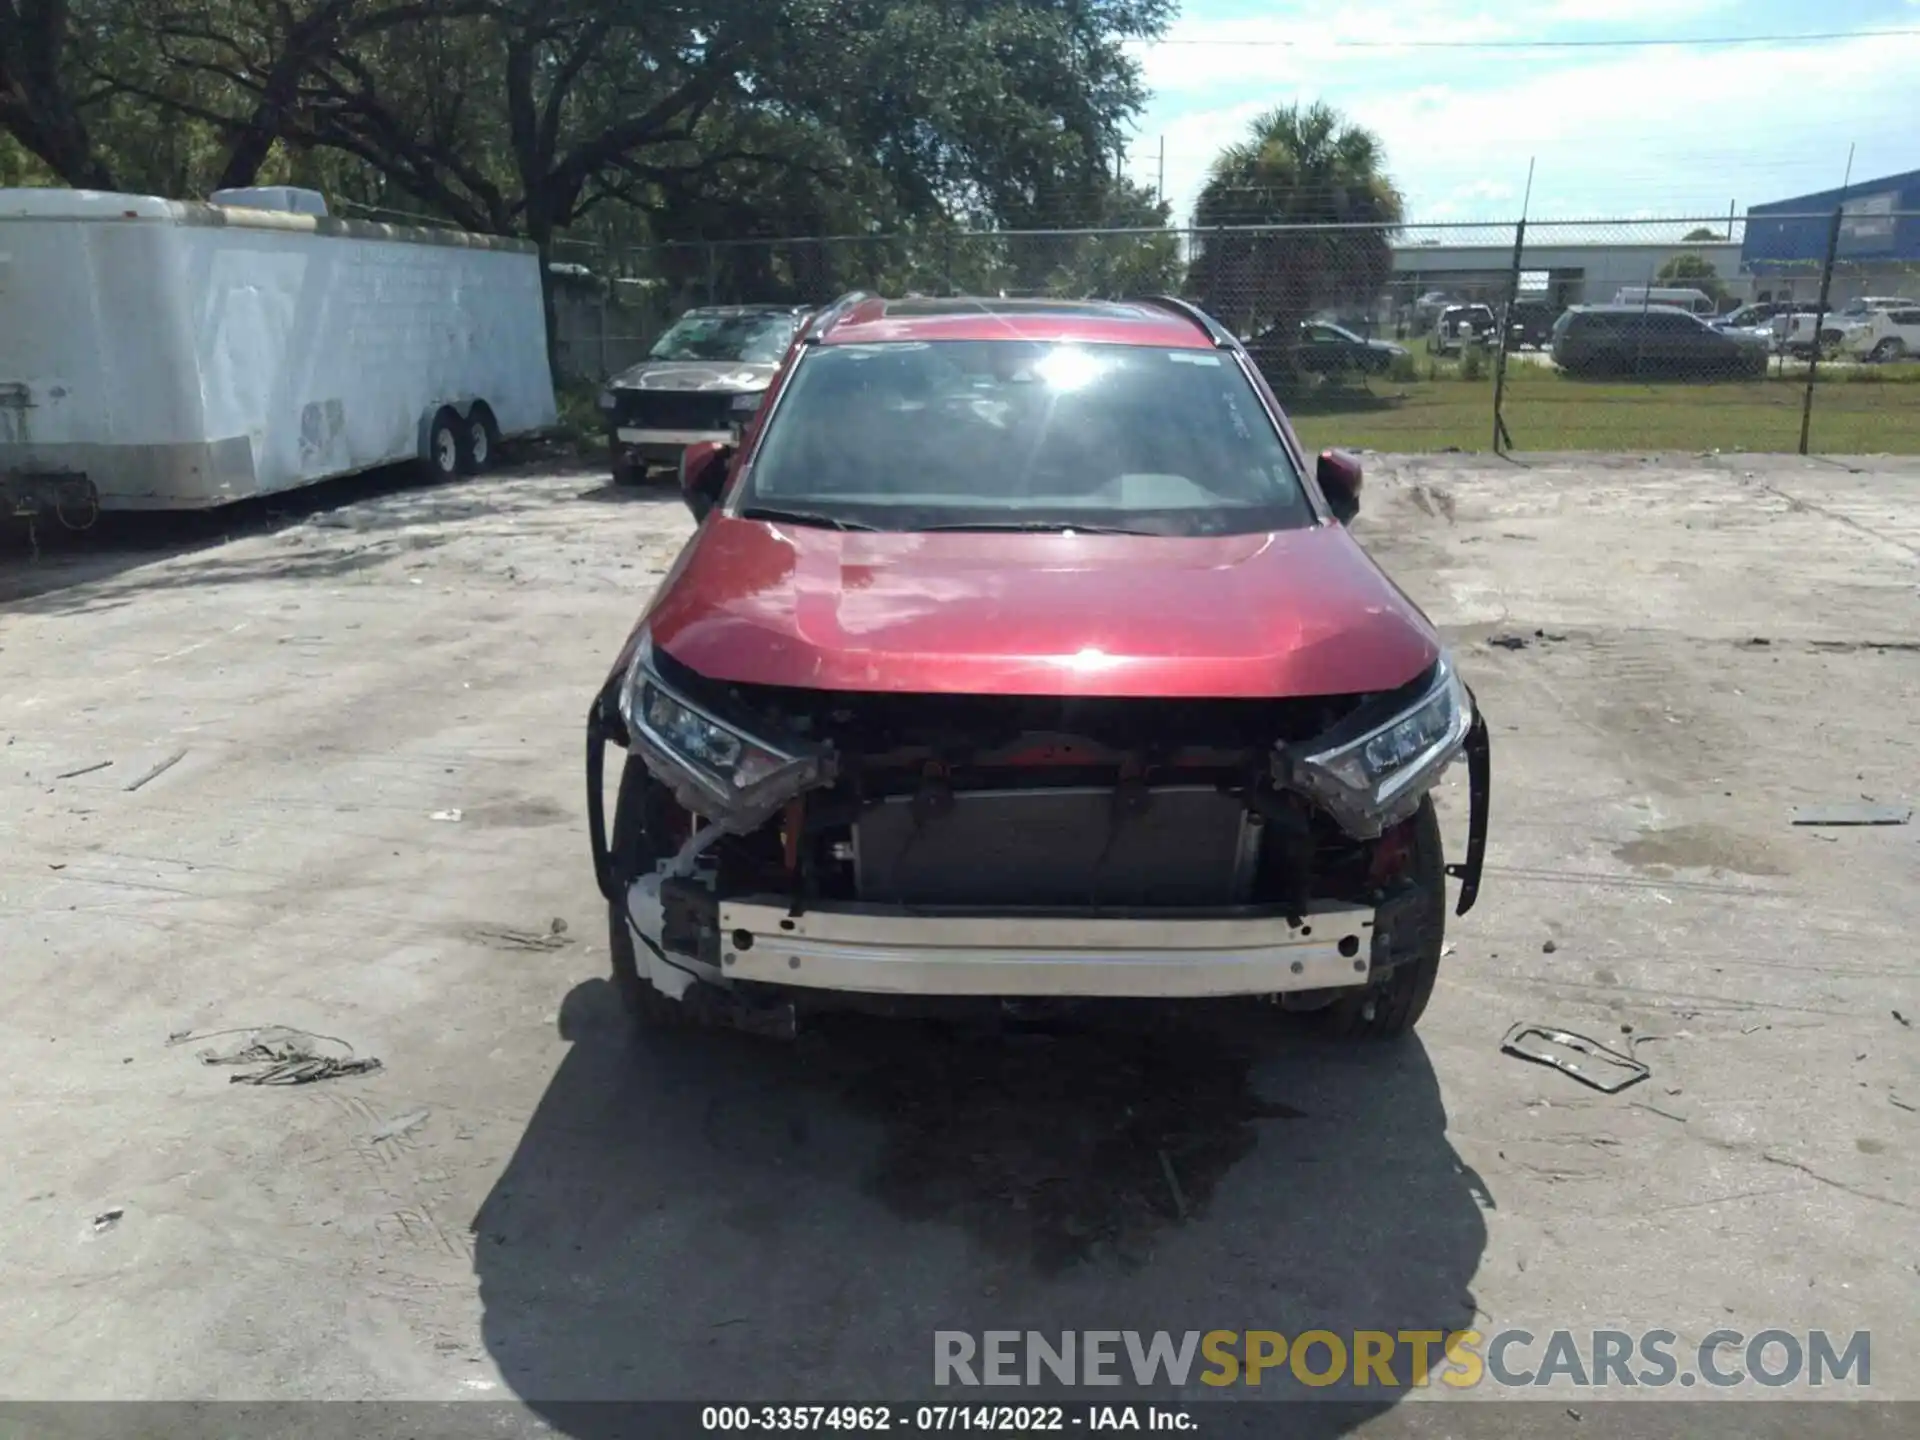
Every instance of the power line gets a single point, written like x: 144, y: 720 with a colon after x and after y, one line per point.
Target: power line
x: 1241, y: 43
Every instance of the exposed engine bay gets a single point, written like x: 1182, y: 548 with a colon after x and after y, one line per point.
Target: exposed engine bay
x: 956, y: 810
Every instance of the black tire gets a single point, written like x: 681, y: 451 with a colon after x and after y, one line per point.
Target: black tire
x: 1889, y: 350
x: 481, y: 434
x: 446, y: 457
x: 639, y: 801
x: 1392, y: 1008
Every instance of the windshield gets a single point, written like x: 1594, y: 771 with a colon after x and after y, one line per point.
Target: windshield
x: 751, y: 339
x: 1018, y: 434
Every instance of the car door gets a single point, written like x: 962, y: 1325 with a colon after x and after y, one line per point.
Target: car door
x: 1322, y: 350
x: 1676, y: 340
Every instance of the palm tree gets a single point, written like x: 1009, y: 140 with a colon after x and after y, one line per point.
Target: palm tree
x: 1300, y: 166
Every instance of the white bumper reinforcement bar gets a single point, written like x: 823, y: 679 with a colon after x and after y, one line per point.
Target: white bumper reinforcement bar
x: 884, y: 950
x: 631, y: 436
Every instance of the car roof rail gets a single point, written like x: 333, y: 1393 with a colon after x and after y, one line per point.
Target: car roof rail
x: 824, y: 319
x: 1213, y: 329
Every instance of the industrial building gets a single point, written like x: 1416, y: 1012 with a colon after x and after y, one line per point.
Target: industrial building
x: 1877, y: 251
x: 1775, y: 252
x: 1563, y: 272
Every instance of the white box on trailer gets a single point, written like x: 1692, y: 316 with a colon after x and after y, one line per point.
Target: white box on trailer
x: 157, y: 354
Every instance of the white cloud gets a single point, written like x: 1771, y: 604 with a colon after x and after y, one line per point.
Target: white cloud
x: 1626, y: 12
x: 1650, y: 131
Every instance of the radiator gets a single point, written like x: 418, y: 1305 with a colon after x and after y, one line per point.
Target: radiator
x: 1190, y: 846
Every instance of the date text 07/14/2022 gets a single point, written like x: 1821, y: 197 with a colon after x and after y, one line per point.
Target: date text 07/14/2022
x: 934, y: 1419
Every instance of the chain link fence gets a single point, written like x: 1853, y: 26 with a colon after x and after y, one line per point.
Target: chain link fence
x: 1769, y: 333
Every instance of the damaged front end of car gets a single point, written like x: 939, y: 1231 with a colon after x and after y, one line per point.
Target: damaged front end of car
x: 909, y: 852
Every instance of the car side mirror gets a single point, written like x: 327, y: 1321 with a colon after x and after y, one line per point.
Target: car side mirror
x: 1339, y: 477
x: 703, y: 475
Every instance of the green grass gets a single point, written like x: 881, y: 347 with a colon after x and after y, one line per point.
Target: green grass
x: 1858, y: 411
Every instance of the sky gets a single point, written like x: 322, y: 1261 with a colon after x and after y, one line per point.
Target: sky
x: 1612, y: 131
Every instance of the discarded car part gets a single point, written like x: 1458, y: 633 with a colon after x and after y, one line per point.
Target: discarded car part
x: 894, y: 950
x: 288, y: 1057
x: 156, y: 771
x: 1597, y: 1066
x: 1479, y: 787
x: 1864, y: 813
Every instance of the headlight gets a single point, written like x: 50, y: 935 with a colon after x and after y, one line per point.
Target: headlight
x: 606, y: 400
x: 749, y: 401
x: 1375, y: 778
x: 713, y: 768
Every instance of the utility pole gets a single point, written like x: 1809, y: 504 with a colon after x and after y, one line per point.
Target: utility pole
x: 1160, y: 183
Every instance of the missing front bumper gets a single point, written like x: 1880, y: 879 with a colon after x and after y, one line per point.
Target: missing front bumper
x: 888, y: 951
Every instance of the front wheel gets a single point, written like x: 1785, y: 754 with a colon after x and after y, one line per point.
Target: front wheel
x: 1391, y: 1007
x: 1889, y: 350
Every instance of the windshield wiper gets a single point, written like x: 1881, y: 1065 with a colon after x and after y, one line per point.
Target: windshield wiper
x: 1038, y: 527
x: 803, y: 517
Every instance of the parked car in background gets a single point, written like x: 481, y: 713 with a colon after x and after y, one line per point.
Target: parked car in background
x: 1838, y: 323
x: 1530, y: 324
x: 1322, y: 348
x: 1650, y: 340
x: 702, y: 380
x: 1461, y: 325
x: 1021, y: 661
x: 1694, y: 302
x: 1768, y: 315
x: 1887, y: 335
x: 1426, y: 310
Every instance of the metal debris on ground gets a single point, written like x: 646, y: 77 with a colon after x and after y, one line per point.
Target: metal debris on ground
x: 83, y: 770
x: 1591, y: 1063
x: 1508, y: 642
x: 1902, y: 1019
x: 1865, y: 813
x: 157, y: 771
x: 554, y: 938
x: 401, y: 1125
x: 107, y: 1219
x: 450, y: 815
x: 285, y: 1056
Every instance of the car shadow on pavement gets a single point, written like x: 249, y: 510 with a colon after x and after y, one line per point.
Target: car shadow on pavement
x: 717, y: 1218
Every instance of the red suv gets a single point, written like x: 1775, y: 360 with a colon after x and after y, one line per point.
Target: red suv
x: 1020, y: 661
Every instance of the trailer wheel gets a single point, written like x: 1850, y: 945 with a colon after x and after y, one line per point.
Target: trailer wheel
x: 483, y: 439
x: 446, y: 448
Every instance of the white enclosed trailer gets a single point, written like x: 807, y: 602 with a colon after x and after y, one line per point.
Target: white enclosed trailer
x: 163, y: 355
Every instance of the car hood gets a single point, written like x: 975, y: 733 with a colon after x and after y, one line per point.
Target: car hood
x: 1297, y: 612
x: 726, y: 375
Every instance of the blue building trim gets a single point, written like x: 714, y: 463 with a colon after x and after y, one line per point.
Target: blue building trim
x: 1789, y: 237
